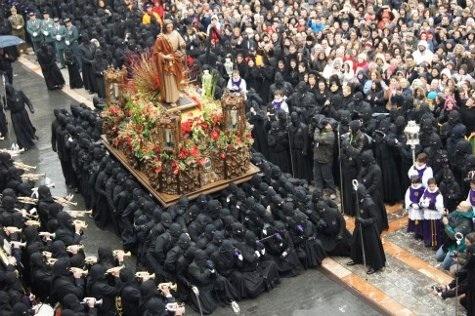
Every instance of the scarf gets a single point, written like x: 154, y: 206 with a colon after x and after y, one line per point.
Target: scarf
x: 236, y: 84
x: 277, y: 105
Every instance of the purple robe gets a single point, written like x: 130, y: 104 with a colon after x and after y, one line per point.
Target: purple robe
x: 277, y: 105
x: 420, y: 172
x: 415, y: 226
x: 415, y: 194
x: 236, y: 85
x: 432, y: 196
x: 436, y: 228
x: 432, y: 229
x: 471, y: 194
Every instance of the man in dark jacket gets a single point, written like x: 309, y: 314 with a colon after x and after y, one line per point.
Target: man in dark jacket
x: 323, y: 157
x: 459, y: 221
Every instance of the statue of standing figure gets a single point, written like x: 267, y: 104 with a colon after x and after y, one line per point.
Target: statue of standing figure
x: 169, y: 55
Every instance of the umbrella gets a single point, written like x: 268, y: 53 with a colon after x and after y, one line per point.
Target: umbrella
x: 10, y: 40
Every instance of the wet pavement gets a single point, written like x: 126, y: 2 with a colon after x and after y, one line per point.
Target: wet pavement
x: 312, y: 293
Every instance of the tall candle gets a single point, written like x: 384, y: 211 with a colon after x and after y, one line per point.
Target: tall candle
x: 116, y: 90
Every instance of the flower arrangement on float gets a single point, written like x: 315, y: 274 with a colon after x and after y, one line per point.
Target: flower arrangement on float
x: 134, y: 125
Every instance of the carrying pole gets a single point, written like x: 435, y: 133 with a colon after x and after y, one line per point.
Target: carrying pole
x: 340, y: 157
x: 363, y: 252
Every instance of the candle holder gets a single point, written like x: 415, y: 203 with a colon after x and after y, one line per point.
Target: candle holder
x: 168, y: 128
x: 412, y: 137
x: 233, y: 108
x: 114, y: 79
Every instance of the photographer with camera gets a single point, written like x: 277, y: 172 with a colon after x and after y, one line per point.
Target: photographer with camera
x: 323, y: 149
x: 464, y: 261
x: 457, y: 222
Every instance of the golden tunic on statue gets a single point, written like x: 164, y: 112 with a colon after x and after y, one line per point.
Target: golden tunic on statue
x: 171, y: 70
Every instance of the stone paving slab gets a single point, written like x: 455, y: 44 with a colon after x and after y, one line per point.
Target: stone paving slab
x: 416, y: 247
x: 406, y: 286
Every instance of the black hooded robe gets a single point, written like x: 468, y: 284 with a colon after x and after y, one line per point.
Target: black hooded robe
x: 385, y: 153
x: 75, y: 80
x: 299, y: 149
x: 52, y: 75
x: 259, y: 131
x: 332, y: 233
x: 202, y: 277
x: 24, y: 130
x: 281, y: 249
x: 278, y: 142
x: 367, y: 223
x: 370, y: 176
x: 99, y: 65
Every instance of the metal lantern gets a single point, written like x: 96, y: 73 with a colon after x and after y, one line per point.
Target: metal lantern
x: 169, y: 132
x: 233, y: 107
x: 114, y: 79
x: 412, y: 136
x: 229, y: 67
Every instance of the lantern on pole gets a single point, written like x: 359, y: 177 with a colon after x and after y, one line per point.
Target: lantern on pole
x: 412, y: 137
x: 229, y: 66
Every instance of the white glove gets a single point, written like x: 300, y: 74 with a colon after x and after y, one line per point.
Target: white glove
x: 45, y: 33
x: 424, y: 203
x: 35, y: 34
x: 58, y: 37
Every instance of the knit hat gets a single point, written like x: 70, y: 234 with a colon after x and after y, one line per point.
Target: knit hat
x: 432, y: 95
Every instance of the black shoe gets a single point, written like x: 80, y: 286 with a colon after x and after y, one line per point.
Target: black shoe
x: 371, y: 271
x: 351, y: 263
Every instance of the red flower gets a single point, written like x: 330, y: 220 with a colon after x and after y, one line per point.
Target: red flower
x: 214, y: 134
x: 158, y: 169
x: 217, y: 118
x: 183, y: 154
x: 186, y: 127
x: 128, y: 140
x: 175, y: 168
x: 195, y: 152
x: 223, y: 156
x: 204, y: 126
x: 114, y: 110
x: 156, y: 149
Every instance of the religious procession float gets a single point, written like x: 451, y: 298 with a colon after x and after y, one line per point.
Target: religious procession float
x: 172, y: 135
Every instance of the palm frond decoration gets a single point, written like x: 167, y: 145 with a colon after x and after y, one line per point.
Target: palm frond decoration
x: 145, y: 74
